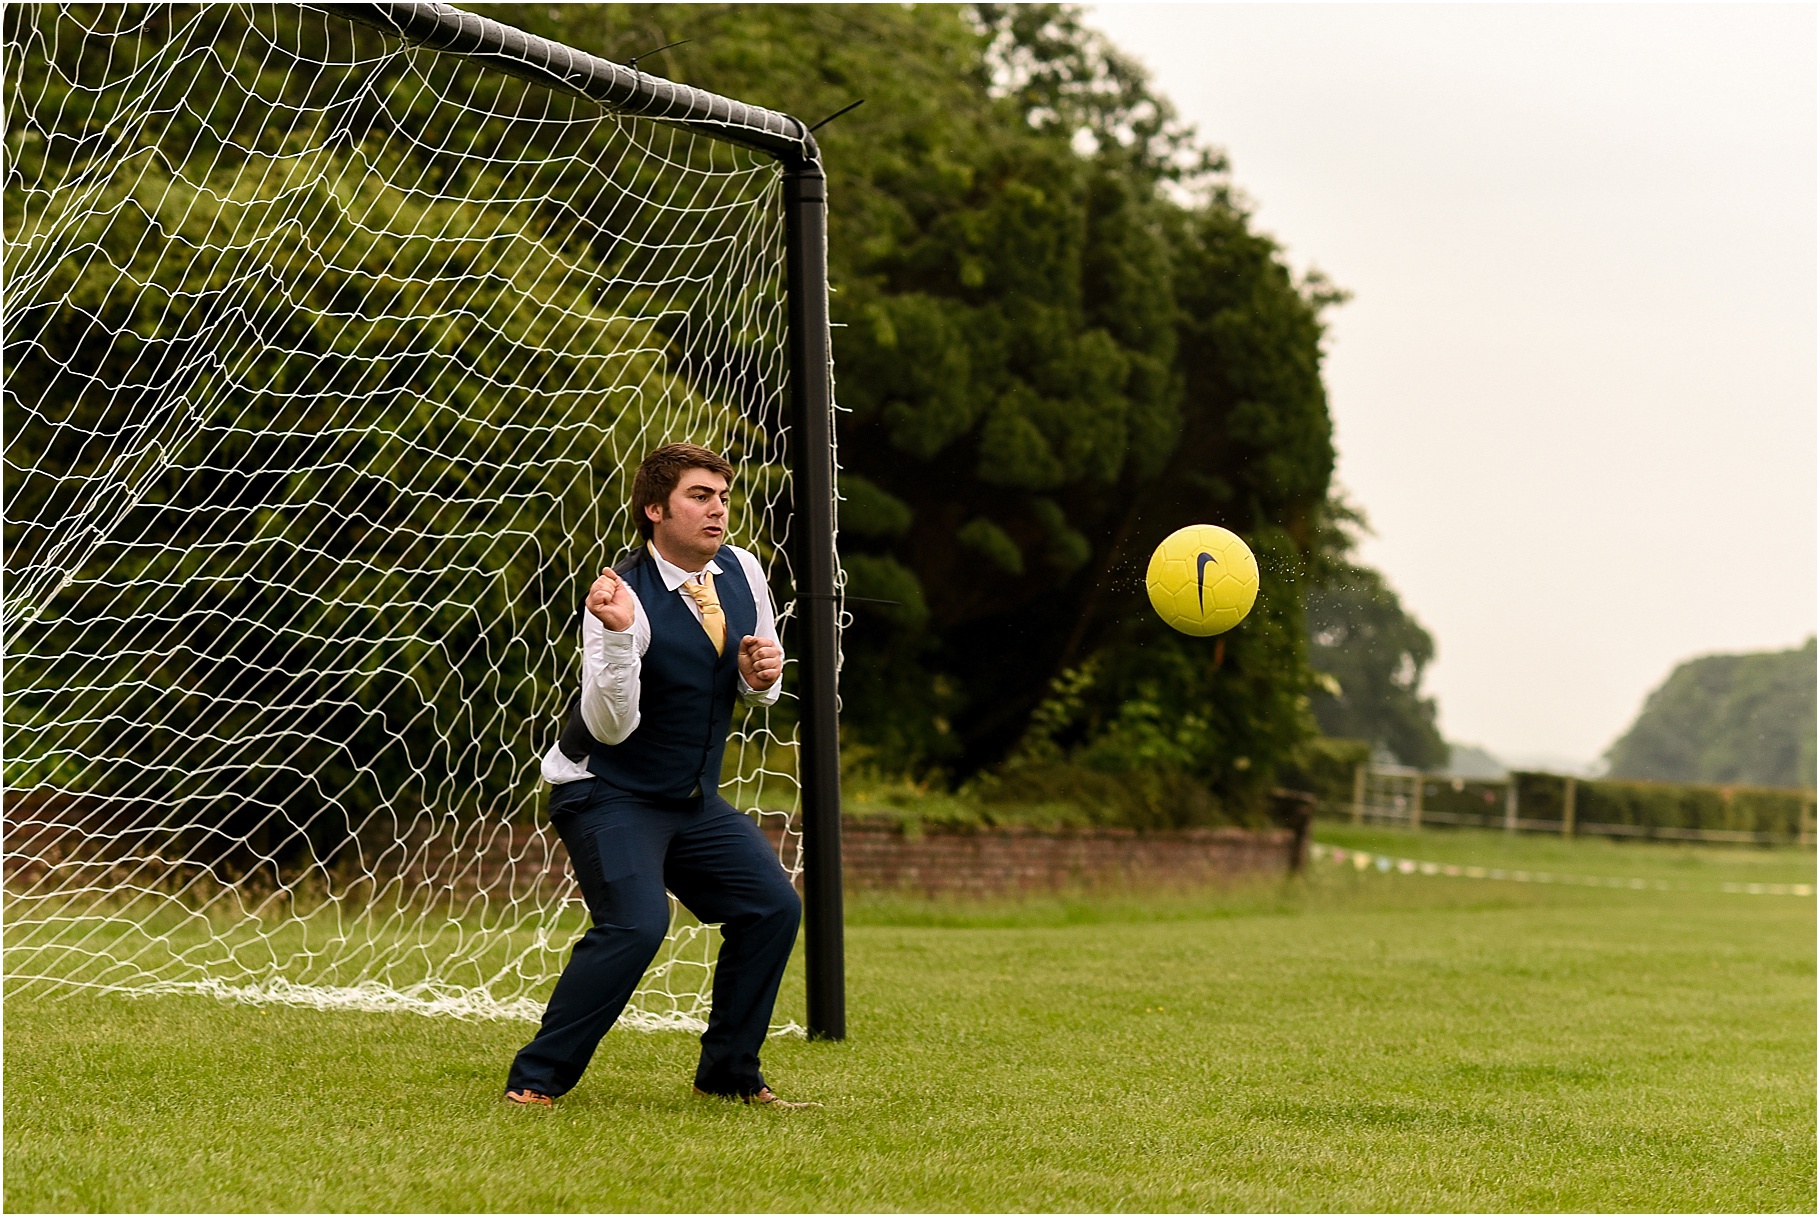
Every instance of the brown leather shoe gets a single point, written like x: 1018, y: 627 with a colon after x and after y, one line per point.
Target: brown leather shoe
x: 529, y: 1098
x: 764, y: 1098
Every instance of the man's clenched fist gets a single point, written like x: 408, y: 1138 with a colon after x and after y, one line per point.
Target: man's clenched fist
x: 761, y: 662
x: 610, y: 600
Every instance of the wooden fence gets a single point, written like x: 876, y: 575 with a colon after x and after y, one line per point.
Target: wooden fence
x: 1559, y: 803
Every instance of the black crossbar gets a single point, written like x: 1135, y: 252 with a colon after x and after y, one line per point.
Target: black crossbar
x: 614, y: 85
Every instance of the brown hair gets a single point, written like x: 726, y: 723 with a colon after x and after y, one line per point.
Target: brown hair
x: 660, y: 472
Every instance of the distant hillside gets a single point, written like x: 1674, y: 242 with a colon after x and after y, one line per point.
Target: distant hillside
x: 1727, y: 718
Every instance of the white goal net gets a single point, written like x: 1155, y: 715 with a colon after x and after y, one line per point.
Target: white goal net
x: 327, y: 363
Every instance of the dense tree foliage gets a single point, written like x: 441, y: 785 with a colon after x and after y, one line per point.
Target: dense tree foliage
x: 264, y: 415
x: 1727, y: 718
x: 1061, y: 342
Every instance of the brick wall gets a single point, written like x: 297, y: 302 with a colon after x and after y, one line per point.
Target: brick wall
x: 878, y: 855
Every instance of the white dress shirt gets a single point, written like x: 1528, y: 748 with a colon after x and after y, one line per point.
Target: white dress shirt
x: 611, y: 661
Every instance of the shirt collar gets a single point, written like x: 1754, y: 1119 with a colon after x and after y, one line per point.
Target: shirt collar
x: 675, y: 576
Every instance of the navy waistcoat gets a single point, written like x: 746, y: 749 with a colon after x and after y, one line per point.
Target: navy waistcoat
x: 686, y: 691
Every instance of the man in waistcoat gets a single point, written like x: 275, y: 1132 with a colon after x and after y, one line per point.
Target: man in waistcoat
x: 672, y: 638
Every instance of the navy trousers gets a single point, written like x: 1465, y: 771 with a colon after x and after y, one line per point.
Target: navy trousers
x: 625, y: 850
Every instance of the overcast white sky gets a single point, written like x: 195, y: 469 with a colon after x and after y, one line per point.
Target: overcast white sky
x: 1575, y: 387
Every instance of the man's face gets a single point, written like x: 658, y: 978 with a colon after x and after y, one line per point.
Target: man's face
x: 691, y: 527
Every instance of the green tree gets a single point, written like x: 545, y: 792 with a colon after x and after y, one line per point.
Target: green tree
x: 1370, y: 651
x: 1061, y: 341
x: 265, y: 421
x: 1746, y: 718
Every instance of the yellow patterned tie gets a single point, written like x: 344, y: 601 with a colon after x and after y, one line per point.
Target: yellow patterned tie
x: 712, y: 619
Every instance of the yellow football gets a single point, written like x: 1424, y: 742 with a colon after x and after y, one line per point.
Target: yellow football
x: 1202, y: 580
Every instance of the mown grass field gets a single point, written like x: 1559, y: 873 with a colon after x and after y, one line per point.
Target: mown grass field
x: 1353, y: 1040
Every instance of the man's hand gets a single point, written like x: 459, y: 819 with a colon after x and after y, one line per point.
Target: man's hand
x: 611, y: 601
x: 761, y: 662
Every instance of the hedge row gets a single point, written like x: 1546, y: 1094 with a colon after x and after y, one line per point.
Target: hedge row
x: 1755, y: 809
x: 1328, y: 767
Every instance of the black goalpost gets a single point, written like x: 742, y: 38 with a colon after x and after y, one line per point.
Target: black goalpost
x: 628, y: 90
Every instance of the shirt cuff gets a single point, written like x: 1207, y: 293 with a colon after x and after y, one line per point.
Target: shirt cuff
x: 759, y: 697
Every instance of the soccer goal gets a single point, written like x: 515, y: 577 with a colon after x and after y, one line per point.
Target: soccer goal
x: 332, y: 336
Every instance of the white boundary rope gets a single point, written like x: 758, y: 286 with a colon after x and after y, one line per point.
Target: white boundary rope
x: 1361, y: 859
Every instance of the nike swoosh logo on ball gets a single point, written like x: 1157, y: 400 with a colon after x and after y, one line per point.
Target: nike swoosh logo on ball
x: 1200, y: 578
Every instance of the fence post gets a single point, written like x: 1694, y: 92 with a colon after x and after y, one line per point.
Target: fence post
x: 1567, y: 809
x: 1510, y: 805
x: 1358, y: 794
x: 1415, y: 804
